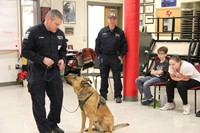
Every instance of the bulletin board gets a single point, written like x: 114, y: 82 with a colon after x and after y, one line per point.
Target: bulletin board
x: 168, y: 13
x: 9, y: 31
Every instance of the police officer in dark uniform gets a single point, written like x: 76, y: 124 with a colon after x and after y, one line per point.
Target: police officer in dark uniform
x: 44, y: 45
x: 110, y: 47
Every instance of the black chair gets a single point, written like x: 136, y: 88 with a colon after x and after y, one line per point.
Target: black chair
x: 195, y: 90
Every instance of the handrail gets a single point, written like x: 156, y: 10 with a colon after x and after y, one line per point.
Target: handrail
x: 173, y: 26
x: 174, y: 17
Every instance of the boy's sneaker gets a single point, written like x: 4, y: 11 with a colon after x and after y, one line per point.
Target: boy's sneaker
x: 147, y: 102
x: 186, y: 109
x: 143, y: 100
x: 168, y: 106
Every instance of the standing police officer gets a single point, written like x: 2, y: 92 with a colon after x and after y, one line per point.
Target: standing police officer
x: 111, y: 46
x: 44, y: 45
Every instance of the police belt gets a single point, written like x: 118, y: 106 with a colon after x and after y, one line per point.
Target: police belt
x: 109, y: 52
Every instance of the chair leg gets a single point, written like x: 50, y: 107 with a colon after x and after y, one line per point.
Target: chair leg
x: 95, y: 83
x: 159, y: 93
x: 195, y: 101
x: 93, y: 79
x: 154, y: 98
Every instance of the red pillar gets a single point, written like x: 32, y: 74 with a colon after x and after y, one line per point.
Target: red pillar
x: 131, y: 27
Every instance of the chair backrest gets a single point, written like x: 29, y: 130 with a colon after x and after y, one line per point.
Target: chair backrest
x: 197, y: 67
x: 88, y: 56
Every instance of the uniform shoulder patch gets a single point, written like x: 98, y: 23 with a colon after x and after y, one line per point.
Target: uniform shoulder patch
x: 27, y: 35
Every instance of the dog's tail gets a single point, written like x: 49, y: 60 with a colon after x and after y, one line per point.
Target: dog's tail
x: 122, y: 125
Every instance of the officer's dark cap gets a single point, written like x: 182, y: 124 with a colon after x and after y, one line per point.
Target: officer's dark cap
x: 112, y: 15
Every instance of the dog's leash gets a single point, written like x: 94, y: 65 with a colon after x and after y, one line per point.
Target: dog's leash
x: 70, y: 111
x: 45, y: 78
x: 78, y: 103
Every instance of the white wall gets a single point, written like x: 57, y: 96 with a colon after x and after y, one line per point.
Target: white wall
x: 8, y: 60
x: 79, y: 40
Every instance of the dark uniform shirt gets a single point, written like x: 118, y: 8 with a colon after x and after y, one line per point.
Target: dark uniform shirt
x: 39, y: 43
x: 111, y: 42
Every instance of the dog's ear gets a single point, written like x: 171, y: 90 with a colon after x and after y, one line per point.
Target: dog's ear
x: 84, y: 84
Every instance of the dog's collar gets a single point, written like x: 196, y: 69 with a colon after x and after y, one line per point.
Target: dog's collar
x: 83, y: 93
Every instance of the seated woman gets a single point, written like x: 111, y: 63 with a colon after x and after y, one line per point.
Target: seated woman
x: 183, y: 77
x: 157, y: 74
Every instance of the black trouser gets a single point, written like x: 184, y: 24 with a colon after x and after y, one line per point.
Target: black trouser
x: 182, y: 87
x: 54, y: 90
x: 112, y: 62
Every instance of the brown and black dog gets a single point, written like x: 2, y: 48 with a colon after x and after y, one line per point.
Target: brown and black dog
x: 92, y: 106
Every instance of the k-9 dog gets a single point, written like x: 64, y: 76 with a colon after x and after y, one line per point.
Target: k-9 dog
x: 93, y: 106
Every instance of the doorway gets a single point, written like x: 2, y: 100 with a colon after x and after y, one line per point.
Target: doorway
x: 29, y: 11
x: 107, y: 11
x: 97, y: 18
x: 29, y: 14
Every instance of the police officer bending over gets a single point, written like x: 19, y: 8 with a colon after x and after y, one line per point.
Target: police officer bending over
x: 44, y: 45
x: 111, y: 46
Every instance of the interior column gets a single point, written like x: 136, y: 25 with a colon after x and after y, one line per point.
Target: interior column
x: 131, y: 66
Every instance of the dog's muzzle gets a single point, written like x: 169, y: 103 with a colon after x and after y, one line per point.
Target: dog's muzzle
x: 67, y: 81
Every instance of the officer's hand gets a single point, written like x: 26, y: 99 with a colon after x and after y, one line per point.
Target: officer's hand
x: 120, y: 58
x: 61, y: 64
x: 48, y: 62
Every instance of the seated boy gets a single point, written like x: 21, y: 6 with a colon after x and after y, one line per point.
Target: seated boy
x: 159, y: 73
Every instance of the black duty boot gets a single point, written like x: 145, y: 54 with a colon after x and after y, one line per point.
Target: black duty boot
x: 57, y: 130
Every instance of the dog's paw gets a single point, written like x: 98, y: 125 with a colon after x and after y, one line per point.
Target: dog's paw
x: 81, y: 131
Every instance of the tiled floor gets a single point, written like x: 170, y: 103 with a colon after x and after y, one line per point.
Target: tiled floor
x: 16, y: 114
